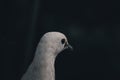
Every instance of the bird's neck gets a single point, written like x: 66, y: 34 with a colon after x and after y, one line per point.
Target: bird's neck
x: 43, y: 66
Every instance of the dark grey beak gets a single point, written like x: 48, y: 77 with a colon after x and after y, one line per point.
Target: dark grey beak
x: 68, y: 47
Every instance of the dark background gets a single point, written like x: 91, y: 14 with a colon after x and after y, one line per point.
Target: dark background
x: 92, y: 28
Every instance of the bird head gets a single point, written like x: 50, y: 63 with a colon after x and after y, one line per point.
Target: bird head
x: 55, y: 42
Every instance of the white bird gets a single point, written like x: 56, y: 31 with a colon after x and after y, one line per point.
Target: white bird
x: 42, y: 66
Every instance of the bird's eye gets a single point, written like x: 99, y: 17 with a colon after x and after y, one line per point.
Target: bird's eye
x: 63, y: 41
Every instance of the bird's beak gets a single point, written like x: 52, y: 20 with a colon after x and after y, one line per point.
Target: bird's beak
x: 69, y: 47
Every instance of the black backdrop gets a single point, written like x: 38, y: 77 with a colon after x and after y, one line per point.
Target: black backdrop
x: 92, y: 28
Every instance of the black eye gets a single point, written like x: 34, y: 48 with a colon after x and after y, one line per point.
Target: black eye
x: 63, y: 41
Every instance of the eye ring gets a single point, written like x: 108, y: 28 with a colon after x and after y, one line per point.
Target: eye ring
x: 63, y: 41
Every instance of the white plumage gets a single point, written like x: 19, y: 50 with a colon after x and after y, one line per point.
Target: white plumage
x: 42, y: 66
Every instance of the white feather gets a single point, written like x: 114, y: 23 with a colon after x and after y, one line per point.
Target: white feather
x: 42, y: 66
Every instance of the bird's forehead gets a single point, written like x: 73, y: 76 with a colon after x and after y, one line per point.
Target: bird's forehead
x: 56, y: 35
